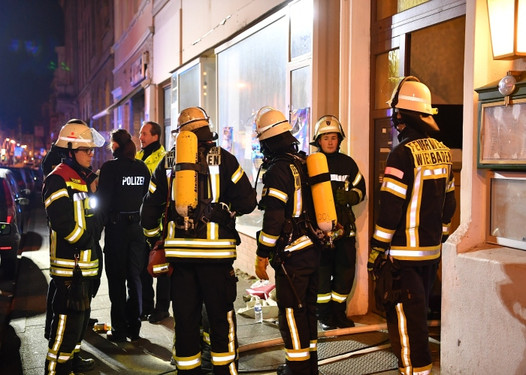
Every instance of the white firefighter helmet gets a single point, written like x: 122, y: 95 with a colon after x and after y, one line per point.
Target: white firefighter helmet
x: 327, y: 124
x: 271, y: 122
x: 190, y: 119
x: 77, y: 134
x: 413, y: 95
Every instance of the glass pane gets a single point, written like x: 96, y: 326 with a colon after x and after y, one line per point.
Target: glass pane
x: 167, y: 113
x: 408, y: 4
x: 301, y: 28
x: 387, y: 68
x: 300, y: 103
x: 174, y: 108
x: 251, y: 74
x: 508, y: 210
x: 189, y: 88
x: 503, y: 133
x: 388, y: 8
x: 208, y: 86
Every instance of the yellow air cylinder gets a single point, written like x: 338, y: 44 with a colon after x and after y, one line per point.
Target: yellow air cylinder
x: 321, y: 191
x: 185, y: 182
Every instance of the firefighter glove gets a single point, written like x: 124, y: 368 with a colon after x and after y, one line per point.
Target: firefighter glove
x: 344, y: 197
x: 261, y: 267
x: 376, y: 256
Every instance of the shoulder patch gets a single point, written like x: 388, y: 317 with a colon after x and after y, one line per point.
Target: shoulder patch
x: 170, y: 159
x: 214, y: 156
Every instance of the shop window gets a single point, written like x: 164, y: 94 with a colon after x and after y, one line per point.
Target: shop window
x: 254, y: 70
x: 300, y: 31
x: 167, y: 114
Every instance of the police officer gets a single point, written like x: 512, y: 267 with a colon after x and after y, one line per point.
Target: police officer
x: 200, y: 240
x: 152, y: 152
x: 123, y: 183
x: 70, y: 208
x: 337, y: 266
x: 417, y: 203
x: 289, y: 238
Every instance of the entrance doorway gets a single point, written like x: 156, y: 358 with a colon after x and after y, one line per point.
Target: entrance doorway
x: 427, y: 42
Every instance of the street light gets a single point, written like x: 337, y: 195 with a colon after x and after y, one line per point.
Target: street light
x: 507, y: 22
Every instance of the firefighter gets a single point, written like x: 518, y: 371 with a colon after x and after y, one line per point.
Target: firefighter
x: 123, y: 182
x: 201, y: 239
x: 289, y: 237
x: 337, y: 265
x: 74, y: 264
x: 151, y: 153
x: 417, y: 203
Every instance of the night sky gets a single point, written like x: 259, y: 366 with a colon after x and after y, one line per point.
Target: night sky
x: 29, y: 32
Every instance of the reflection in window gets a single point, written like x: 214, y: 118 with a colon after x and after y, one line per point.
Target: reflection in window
x: 387, y: 77
x: 388, y: 8
x: 300, y: 30
x: 189, y: 88
x: 300, y: 103
x: 508, y: 213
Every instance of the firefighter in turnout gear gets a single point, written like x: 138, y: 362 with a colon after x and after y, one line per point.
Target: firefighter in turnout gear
x: 289, y: 237
x: 417, y: 203
x: 74, y: 265
x: 338, y: 261
x: 123, y: 183
x: 201, y: 245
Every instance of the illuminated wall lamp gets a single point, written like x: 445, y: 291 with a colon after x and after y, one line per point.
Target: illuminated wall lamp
x: 507, y: 22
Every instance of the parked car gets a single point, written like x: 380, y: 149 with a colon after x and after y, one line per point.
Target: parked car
x: 24, y: 180
x: 9, y: 244
x: 23, y: 190
x: 11, y: 222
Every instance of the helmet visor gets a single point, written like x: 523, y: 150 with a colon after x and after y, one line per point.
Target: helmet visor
x: 91, y: 138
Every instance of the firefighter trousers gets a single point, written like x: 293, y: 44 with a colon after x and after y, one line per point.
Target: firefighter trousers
x: 407, y: 319
x: 66, y: 331
x: 213, y: 284
x: 296, y: 296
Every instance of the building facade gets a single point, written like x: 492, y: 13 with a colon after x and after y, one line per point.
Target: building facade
x: 309, y: 58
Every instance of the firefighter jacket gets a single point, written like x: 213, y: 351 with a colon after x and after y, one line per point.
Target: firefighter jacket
x: 344, y: 174
x: 70, y: 209
x: 209, y: 233
x: 122, y: 185
x: 289, y: 211
x: 417, y: 199
x: 153, y: 159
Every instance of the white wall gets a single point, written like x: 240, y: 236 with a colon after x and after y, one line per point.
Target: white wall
x: 206, y: 23
x: 166, y: 41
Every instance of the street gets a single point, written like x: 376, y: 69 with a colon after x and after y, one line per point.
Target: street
x: 359, y: 350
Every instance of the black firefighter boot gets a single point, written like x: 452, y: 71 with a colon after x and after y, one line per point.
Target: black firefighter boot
x: 325, y: 316
x: 339, y: 316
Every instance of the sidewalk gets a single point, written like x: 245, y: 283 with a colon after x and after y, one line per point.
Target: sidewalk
x: 260, y: 343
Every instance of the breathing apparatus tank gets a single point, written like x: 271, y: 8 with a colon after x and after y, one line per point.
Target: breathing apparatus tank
x: 185, y: 192
x: 321, y: 189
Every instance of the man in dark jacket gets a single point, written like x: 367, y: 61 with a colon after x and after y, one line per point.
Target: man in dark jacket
x: 289, y: 239
x: 200, y: 238
x: 417, y: 203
